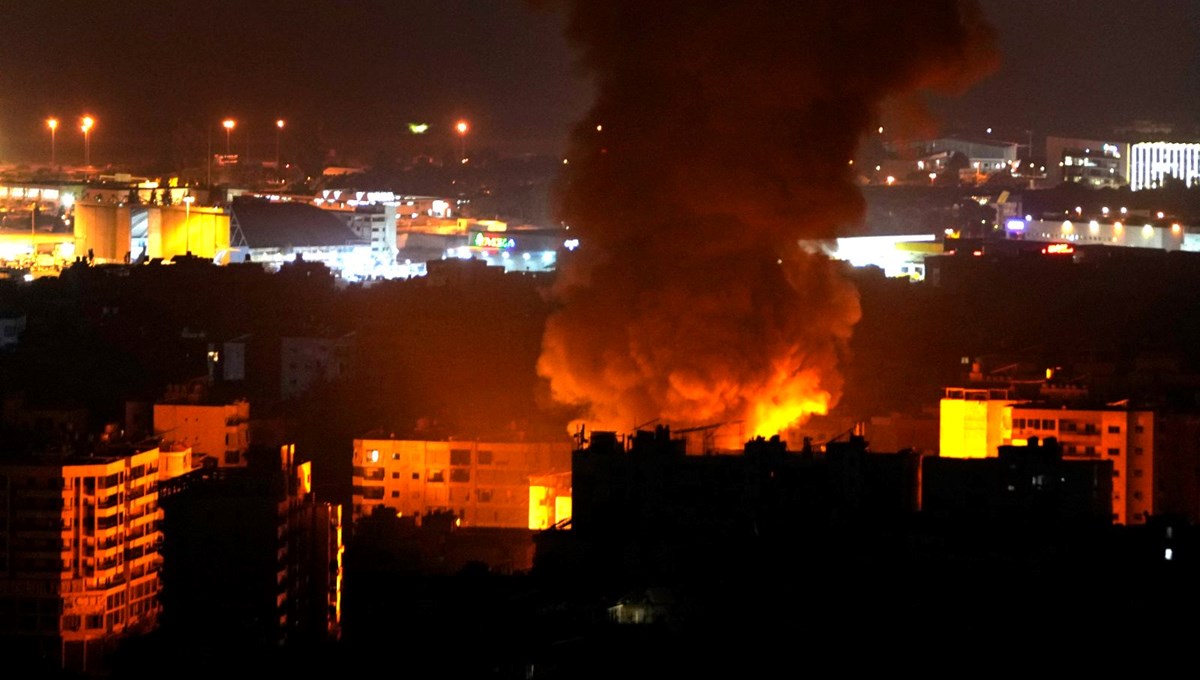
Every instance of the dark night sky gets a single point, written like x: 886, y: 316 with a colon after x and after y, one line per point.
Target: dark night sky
x: 364, y: 68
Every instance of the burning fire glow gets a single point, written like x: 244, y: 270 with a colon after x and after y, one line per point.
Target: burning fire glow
x: 716, y: 142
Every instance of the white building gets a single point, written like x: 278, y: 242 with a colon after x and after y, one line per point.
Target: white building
x: 1150, y: 163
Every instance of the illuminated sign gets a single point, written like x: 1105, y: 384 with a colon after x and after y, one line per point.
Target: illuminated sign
x: 1015, y: 225
x: 479, y: 239
x: 1059, y: 249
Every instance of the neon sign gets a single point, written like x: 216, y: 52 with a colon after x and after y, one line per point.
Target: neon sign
x: 479, y: 239
x: 1059, y: 249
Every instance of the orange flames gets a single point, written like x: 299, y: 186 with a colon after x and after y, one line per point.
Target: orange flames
x: 701, y: 164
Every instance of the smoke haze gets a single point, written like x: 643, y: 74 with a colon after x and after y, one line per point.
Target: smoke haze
x: 721, y: 133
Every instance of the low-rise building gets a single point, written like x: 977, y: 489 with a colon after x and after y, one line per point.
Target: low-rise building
x: 485, y: 484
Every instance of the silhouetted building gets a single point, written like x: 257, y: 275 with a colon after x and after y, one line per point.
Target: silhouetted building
x: 252, y: 553
x: 1030, y: 483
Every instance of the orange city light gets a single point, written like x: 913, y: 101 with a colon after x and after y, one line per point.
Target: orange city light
x: 228, y: 123
x: 87, y: 124
x: 279, y: 123
x: 462, y: 127
x: 52, y: 123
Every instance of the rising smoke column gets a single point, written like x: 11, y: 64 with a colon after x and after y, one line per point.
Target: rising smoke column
x: 720, y: 136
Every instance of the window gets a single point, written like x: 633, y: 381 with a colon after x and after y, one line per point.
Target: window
x: 395, y: 475
x: 232, y: 457
x: 460, y: 475
x: 485, y: 457
x: 395, y: 494
x: 1048, y: 424
x: 1137, y: 495
x: 1114, y: 429
x: 395, y: 456
x: 1137, y: 451
x: 435, y: 476
x: 483, y: 495
x: 95, y: 621
x: 1090, y: 451
x: 416, y: 476
x: 460, y: 456
x: 1114, y: 452
x: 1116, y: 473
x: 1138, y: 428
x: 1067, y: 426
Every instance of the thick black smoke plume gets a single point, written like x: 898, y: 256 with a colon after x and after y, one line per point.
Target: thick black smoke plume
x: 721, y: 133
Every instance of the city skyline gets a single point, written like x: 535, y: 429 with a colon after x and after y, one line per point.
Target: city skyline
x: 357, y: 76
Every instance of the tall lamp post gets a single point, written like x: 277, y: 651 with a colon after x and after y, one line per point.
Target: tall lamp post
x: 278, y: 135
x: 228, y: 124
x: 462, y: 127
x: 187, y: 222
x: 52, y: 123
x: 86, y: 125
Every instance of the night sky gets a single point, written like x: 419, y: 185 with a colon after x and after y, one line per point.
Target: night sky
x: 358, y: 71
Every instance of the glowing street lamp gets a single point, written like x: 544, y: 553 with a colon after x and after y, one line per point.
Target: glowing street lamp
x: 462, y: 127
x: 86, y: 125
x: 52, y: 123
x: 228, y: 124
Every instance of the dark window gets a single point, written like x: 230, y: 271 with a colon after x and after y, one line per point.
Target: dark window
x: 1114, y: 429
x: 416, y: 476
x: 1137, y: 450
x: 1138, y: 428
x: 395, y: 456
x: 1116, y: 473
x: 1137, y: 473
x: 460, y: 456
x: 435, y: 476
x: 1114, y: 452
x: 395, y: 475
x: 460, y: 475
x: 1019, y: 423
x: 1047, y: 424
x: 395, y: 494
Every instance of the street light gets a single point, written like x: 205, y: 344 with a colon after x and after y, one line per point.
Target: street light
x: 86, y: 125
x: 187, y: 222
x: 228, y: 124
x: 462, y: 127
x: 278, y: 135
x: 52, y: 123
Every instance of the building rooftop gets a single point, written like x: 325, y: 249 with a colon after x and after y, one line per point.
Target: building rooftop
x: 266, y: 224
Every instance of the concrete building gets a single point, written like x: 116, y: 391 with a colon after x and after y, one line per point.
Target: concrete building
x: 1118, y: 434
x: 1151, y: 163
x: 514, y: 485
x: 217, y: 432
x: 974, y: 421
x: 375, y: 224
x: 1153, y: 455
x: 252, y: 553
x: 79, y: 554
x: 1090, y: 162
x: 307, y: 362
x: 1029, y: 483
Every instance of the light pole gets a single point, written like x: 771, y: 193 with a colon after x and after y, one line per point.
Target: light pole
x: 278, y: 135
x: 228, y: 124
x: 86, y: 125
x: 462, y: 127
x: 52, y: 123
x: 187, y: 222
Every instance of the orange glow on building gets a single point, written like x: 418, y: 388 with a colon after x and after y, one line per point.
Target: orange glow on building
x: 484, y: 484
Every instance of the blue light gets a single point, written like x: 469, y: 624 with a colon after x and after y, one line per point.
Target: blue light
x: 1015, y: 225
